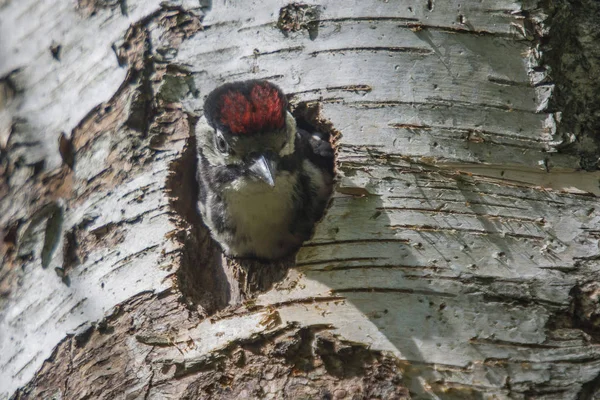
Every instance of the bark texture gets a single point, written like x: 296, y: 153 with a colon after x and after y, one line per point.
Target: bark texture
x: 459, y: 254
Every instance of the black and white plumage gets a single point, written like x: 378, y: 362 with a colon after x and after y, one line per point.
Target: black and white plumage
x: 263, y: 182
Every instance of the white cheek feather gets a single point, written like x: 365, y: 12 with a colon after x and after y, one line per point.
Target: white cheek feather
x: 203, y: 132
x: 290, y: 124
x: 205, y: 136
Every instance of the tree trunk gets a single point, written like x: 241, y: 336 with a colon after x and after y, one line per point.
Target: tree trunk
x: 458, y: 257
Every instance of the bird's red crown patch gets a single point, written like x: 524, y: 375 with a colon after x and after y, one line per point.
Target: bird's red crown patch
x: 262, y: 110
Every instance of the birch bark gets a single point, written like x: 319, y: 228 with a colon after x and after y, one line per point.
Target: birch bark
x: 459, y: 254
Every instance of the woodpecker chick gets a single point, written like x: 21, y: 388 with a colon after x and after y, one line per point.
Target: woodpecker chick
x: 263, y: 182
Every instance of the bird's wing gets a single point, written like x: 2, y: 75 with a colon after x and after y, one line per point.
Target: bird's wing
x: 316, y: 147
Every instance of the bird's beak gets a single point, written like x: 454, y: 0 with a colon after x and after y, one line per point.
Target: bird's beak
x: 262, y: 169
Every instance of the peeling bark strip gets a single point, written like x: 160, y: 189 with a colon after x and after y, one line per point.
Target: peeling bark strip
x: 285, y: 361
x: 458, y: 258
x: 101, y: 221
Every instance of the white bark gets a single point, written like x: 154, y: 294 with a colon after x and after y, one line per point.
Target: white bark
x: 455, y: 239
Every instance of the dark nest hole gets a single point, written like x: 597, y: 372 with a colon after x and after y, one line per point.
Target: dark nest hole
x: 583, y: 312
x: 208, y: 280
x: 201, y: 276
x: 308, y: 116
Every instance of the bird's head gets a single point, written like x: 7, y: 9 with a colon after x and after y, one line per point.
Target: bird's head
x: 247, y: 125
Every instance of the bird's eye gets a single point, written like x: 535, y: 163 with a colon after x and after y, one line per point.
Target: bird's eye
x: 221, y: 143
